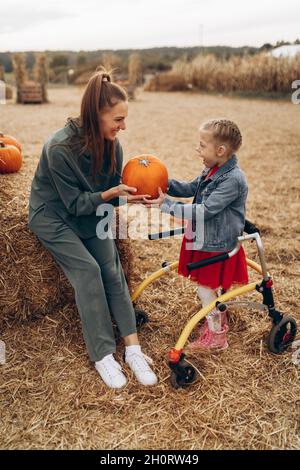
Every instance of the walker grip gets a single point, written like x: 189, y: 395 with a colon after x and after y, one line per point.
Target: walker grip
x: 207, y: 261
x: 250, y: 227
x: 168, y: 233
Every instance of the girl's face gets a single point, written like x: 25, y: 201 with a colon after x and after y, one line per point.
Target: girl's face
x: 208, y: 149
x: 112, y: 120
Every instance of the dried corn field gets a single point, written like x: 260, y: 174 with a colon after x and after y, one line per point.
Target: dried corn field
x: 245, y: 397
x: 256, y: 75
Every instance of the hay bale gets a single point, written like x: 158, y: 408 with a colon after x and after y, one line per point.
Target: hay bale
x: 2, y: 73
x: 134, y: 75
x: 42, y: 75
x: 20, y: 74
x: 8, y: 92
x: 8, y: 89
x: 32, y: 284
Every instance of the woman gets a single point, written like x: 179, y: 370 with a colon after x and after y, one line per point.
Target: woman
x: 79, y: 169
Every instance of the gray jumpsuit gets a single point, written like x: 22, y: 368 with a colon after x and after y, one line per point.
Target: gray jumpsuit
x: 62, y: 213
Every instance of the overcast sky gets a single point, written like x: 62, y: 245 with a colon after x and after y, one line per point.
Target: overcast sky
x: 121, y: 24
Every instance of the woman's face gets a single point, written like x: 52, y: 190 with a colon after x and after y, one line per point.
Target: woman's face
x: 112, y: 120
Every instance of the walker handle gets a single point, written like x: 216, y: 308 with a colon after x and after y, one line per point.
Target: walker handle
x: 168, y: 233
x: 250, y: 227
x: 207, y: 261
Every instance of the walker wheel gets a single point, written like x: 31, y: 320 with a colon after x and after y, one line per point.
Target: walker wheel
x: 177, y: 381
x: 141, y: 317
x: 282, y: 335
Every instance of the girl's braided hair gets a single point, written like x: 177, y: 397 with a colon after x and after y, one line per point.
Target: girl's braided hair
x: 224, y: 131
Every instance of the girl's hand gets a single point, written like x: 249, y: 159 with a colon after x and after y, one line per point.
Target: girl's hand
x: 155, y: 202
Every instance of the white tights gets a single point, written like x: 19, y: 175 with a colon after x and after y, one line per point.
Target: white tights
x: 207, y: 295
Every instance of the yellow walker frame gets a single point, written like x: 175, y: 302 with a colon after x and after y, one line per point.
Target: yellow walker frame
x: 284, y: 327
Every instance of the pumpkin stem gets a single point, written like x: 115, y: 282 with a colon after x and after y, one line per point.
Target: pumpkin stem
x: 144, y: 162
x: 2, y: 144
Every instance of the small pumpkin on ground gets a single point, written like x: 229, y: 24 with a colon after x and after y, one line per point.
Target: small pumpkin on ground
x: 10, y: 140
x: 10, y: 158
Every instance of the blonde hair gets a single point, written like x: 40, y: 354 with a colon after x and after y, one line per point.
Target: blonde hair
x: 224, y: 131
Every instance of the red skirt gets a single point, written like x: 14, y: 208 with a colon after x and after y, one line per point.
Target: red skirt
x: 225, y: 274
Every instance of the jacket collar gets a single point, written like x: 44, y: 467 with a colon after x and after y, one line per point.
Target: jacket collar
x: 228, y: 166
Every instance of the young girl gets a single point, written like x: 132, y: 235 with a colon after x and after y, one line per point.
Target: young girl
x: 216, y: 218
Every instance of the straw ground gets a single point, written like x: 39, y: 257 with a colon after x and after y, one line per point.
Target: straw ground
x: 51, y: 396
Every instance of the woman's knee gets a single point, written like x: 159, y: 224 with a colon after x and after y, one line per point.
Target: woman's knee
x: 111, y: 272
x: 87, y: 273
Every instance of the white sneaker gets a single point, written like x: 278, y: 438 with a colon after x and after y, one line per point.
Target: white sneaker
x: 138, y: 363
x: 111, y: 372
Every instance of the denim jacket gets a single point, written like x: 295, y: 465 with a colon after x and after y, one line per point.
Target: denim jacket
x: 219, y: 203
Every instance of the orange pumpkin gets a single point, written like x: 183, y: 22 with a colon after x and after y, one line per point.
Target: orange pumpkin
x: 146, y: 173
x: 10, y: 158
x: 9, y: 140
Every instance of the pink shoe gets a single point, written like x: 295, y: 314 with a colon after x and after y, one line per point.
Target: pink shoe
x: 211, y: 340
x: 203, y: 330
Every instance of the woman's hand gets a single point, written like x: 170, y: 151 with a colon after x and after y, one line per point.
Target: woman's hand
x: 155, y: 202
x: 123, y: 190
